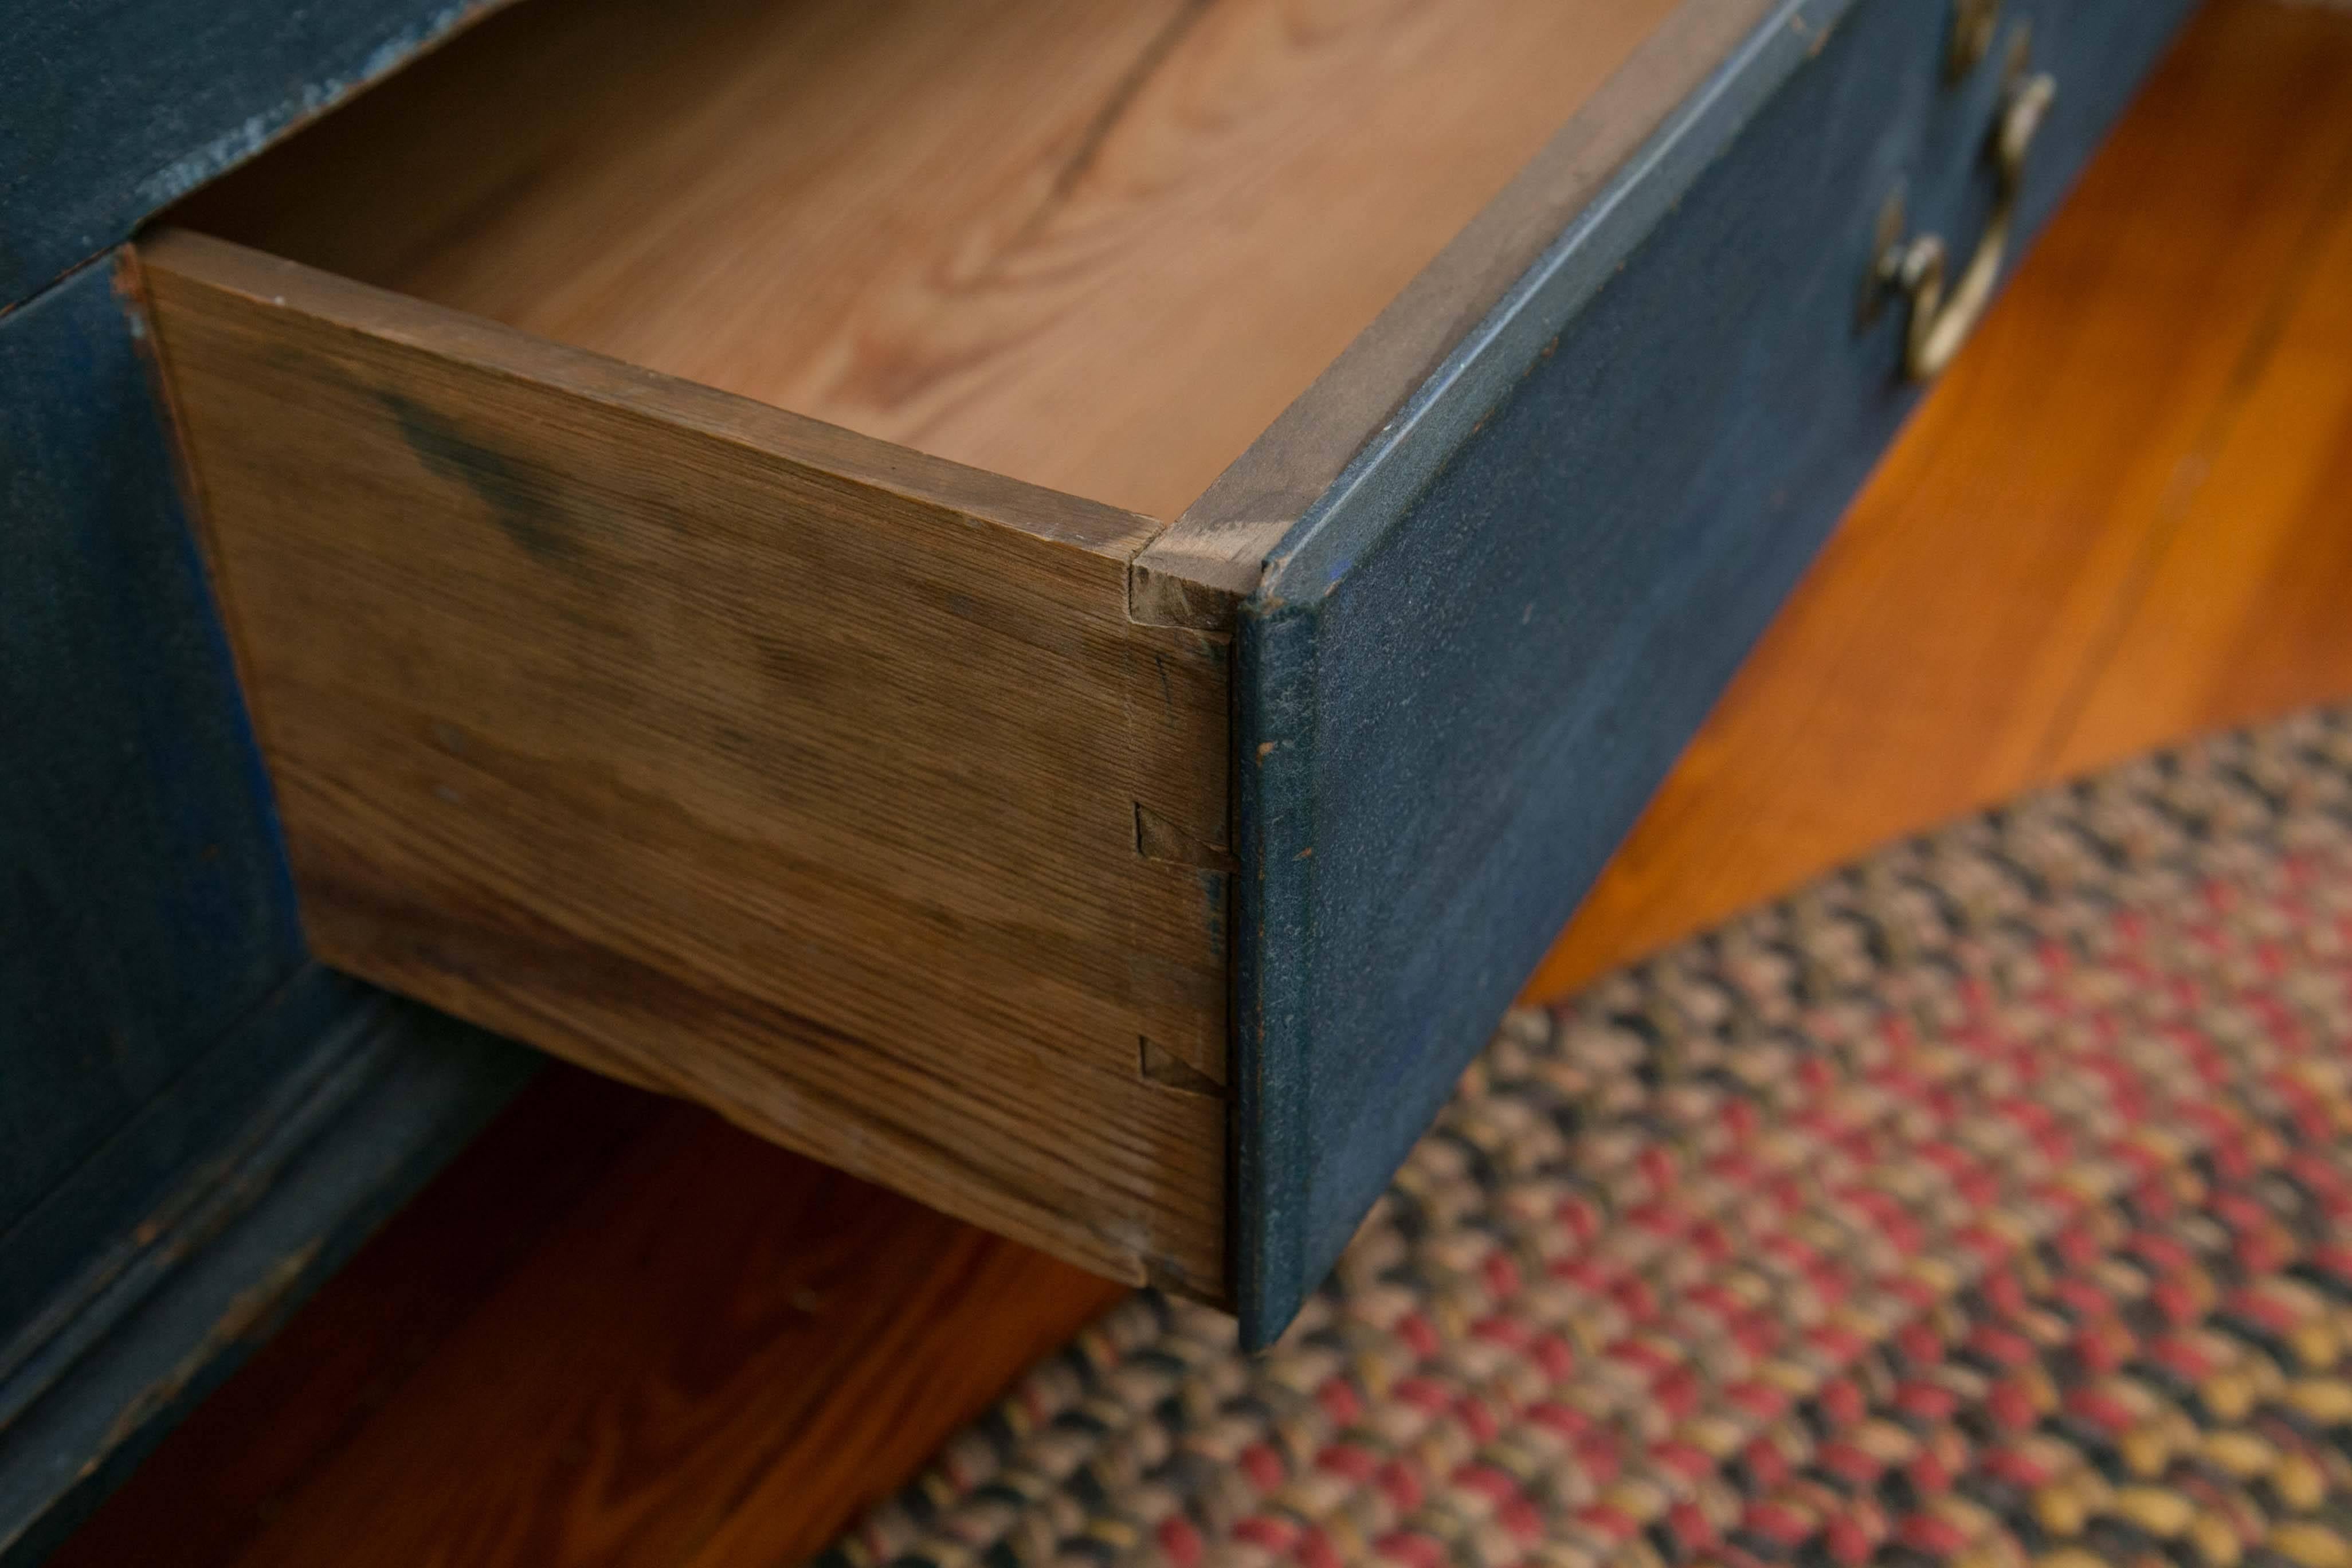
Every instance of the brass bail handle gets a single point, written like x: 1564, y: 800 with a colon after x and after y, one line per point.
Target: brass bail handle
x: 1940, y: 323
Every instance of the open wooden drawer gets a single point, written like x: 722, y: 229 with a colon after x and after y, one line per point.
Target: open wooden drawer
x: 638, y: 452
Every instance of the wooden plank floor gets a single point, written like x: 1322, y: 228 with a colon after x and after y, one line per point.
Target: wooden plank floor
x: 2113, y: 524
x: 619, y: 1333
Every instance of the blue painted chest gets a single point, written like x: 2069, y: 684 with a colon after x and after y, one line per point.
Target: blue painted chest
x: 644, y: 533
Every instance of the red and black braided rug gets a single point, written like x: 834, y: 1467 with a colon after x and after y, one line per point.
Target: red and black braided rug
x: 1988, y: 1203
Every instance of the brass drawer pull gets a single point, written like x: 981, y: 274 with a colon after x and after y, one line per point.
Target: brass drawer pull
x: 1941, y: 322
x: 1974, y: 22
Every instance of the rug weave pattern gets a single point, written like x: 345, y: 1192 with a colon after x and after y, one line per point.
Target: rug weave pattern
x: 1987, y: 1202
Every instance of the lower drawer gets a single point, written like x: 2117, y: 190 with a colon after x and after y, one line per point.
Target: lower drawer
x: 1135, y: 889
x: 728, y: 752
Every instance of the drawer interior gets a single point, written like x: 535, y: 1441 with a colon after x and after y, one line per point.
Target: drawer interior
x: 1095, y: 248
x: 640, y: 450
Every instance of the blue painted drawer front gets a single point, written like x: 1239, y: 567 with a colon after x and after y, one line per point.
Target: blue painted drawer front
x: 1465, y: 673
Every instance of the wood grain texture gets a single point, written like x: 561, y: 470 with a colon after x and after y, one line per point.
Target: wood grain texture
x: 751, y: 1328
x: 2213, y: 159
x: 2244, y: 604
x: 724, y: 751
x: 1096, y: 248
x: 309, y: 1391
x: 2120, y: 519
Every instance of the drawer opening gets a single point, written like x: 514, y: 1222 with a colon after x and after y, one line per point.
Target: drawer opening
x: 1095, y: 248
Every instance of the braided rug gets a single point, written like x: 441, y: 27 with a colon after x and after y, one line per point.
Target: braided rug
x: 1988, y: 1203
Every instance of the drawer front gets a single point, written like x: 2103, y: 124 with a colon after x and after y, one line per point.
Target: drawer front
x: 1465, y: 673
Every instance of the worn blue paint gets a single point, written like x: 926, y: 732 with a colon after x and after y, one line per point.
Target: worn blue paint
x: 195, y: 1123
x: 368, y: 1096
x: 141, y: 886
x: 1469, y: 665
x: 186, y: 1102
x: 111, y: 110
